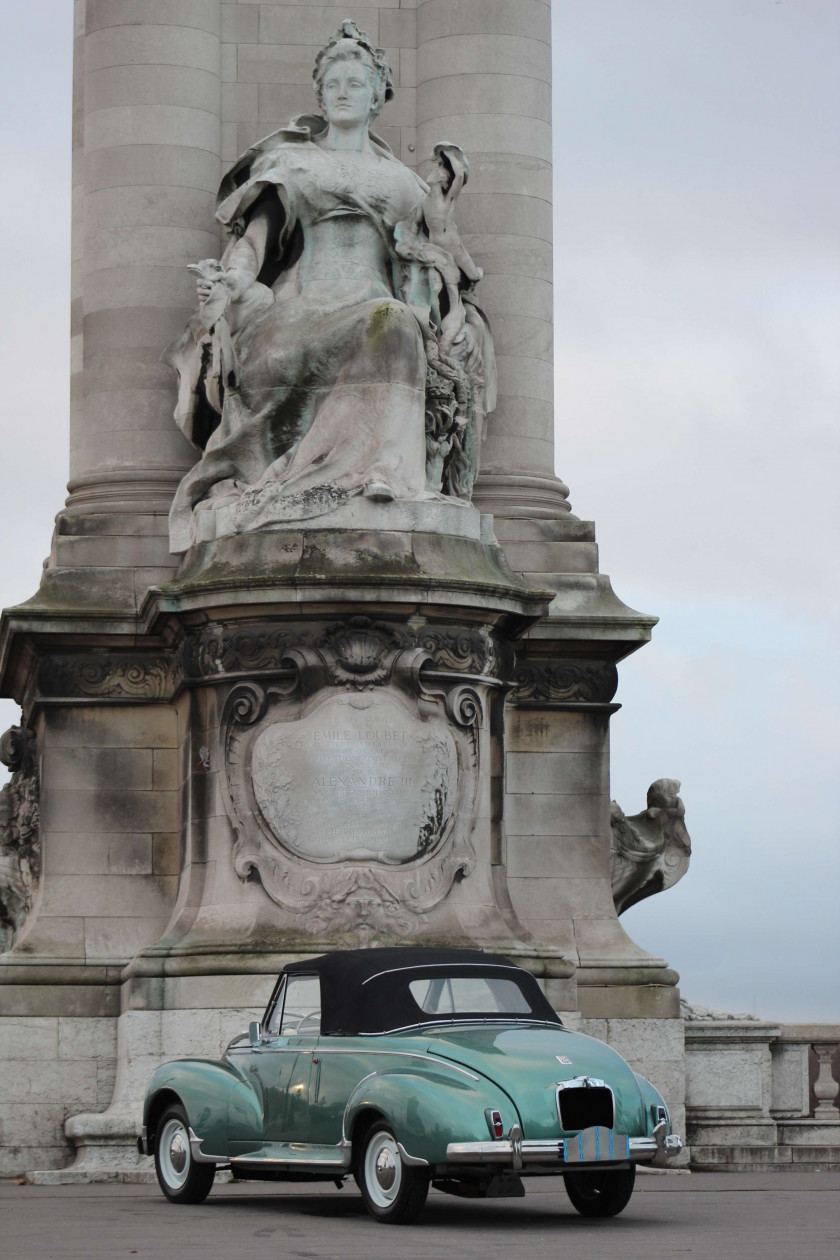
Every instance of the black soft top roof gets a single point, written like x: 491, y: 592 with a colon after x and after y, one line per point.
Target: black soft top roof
x: 367, y: 990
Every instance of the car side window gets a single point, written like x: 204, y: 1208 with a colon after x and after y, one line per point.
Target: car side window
x: 301, y: 1014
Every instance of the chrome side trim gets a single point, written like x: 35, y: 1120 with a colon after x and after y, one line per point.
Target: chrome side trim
x: 341, y: 1159
x: 199, y: 1155
x: 390, y: 971
x: 361, y: 1051
x: 402, y: 1054
x: 467, y: 1021
x: 411, y: 1160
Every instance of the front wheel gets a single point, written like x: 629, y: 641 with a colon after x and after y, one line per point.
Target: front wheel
x: 394, y: 1192
x: 600, y: 1193
x: 181, y: 1179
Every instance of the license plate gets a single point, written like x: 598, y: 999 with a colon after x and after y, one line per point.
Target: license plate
x: 595, y: 1146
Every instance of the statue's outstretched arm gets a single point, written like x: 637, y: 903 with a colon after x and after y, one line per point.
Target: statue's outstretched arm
x: 229, y: 296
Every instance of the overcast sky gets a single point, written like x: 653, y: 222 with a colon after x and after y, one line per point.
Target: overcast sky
x: 697, y: 204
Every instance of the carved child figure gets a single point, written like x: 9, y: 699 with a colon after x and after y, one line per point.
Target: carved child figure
x: 446, y: 175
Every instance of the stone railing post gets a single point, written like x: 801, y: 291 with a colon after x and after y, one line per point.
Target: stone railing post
x: 825, y: 1086
x: 484, y: 82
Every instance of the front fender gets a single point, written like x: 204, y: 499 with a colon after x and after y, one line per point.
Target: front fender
x: 204, y: 1088
x: 428, y: 1111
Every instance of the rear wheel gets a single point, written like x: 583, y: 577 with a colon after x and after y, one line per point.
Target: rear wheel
x: 394, y: 1192
x: 181, y: 1179
x: 600, y: 1193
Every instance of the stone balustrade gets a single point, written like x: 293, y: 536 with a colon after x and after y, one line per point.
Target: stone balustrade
x: 760, y: 1095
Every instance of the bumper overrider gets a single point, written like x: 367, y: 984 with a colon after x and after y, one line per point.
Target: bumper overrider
x: 592, y: 1147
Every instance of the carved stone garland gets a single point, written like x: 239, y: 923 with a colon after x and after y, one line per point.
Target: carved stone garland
x: 351, y: 784
x: 565, y: 682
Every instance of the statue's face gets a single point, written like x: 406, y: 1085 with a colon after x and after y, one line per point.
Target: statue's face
x: 348, y: 93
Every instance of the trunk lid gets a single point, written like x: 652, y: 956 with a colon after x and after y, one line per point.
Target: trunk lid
x: 529, y: 1062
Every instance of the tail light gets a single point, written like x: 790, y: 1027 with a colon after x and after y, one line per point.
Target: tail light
x: 494, y: 1123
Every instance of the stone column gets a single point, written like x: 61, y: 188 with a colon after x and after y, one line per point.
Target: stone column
x: 148, y: 143
x: 484, y: 82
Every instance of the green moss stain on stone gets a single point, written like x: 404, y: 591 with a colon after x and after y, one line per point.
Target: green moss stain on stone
x: 380, y: 322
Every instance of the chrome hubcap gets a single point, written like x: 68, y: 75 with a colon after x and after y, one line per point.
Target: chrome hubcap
x: 386, y: 1169
x: 174, y: 1154
x: 178, y: 1153
x: 383, y: 1169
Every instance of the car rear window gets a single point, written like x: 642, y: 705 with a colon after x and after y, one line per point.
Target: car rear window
x: 469, y: 995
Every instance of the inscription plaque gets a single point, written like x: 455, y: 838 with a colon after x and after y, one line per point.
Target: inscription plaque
x: 360, y: 777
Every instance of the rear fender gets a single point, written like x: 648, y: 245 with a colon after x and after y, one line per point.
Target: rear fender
x: 652, y: 1100
x: 427, y: 1112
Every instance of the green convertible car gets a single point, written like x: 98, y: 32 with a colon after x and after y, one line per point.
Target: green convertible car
x: 406, y: 1068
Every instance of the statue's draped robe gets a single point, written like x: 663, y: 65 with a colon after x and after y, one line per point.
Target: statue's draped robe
x: 331, y: 388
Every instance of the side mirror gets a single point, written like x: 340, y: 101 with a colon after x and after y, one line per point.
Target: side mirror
x: 254, y: 1032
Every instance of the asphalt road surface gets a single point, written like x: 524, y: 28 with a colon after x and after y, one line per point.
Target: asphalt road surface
x: 702, y: 1215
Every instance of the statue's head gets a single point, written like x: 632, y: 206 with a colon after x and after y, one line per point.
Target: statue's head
x: 350, y: 45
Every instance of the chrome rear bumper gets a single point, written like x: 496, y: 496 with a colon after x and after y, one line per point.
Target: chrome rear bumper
x: 517, y: 1152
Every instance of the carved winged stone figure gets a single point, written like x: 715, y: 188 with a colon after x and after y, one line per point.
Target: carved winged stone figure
x: 651, y: 850
x: 337, y: 349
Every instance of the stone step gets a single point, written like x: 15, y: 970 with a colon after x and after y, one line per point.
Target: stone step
x: 765, y: 1158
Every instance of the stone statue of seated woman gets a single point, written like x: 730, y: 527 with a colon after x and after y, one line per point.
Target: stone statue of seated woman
x: 338, y: 349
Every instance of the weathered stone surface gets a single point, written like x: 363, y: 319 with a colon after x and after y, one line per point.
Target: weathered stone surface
x: 358, y: 778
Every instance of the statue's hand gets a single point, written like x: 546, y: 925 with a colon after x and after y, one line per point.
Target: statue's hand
x: 217, y: 282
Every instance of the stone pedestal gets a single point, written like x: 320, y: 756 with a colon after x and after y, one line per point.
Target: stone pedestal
x: 313, y: 738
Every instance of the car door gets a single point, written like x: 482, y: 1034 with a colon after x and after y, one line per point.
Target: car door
x: 281, y: 1065
x: 340, y: 1064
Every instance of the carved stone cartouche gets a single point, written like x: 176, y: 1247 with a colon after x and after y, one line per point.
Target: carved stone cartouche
x: 650, y: 851
x: 20, y: 842
x: 351, y: 782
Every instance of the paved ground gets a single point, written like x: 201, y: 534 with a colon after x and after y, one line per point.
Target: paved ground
x: 707, y: 1216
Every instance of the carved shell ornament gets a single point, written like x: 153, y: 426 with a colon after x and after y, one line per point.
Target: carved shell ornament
x: 359, y: 651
